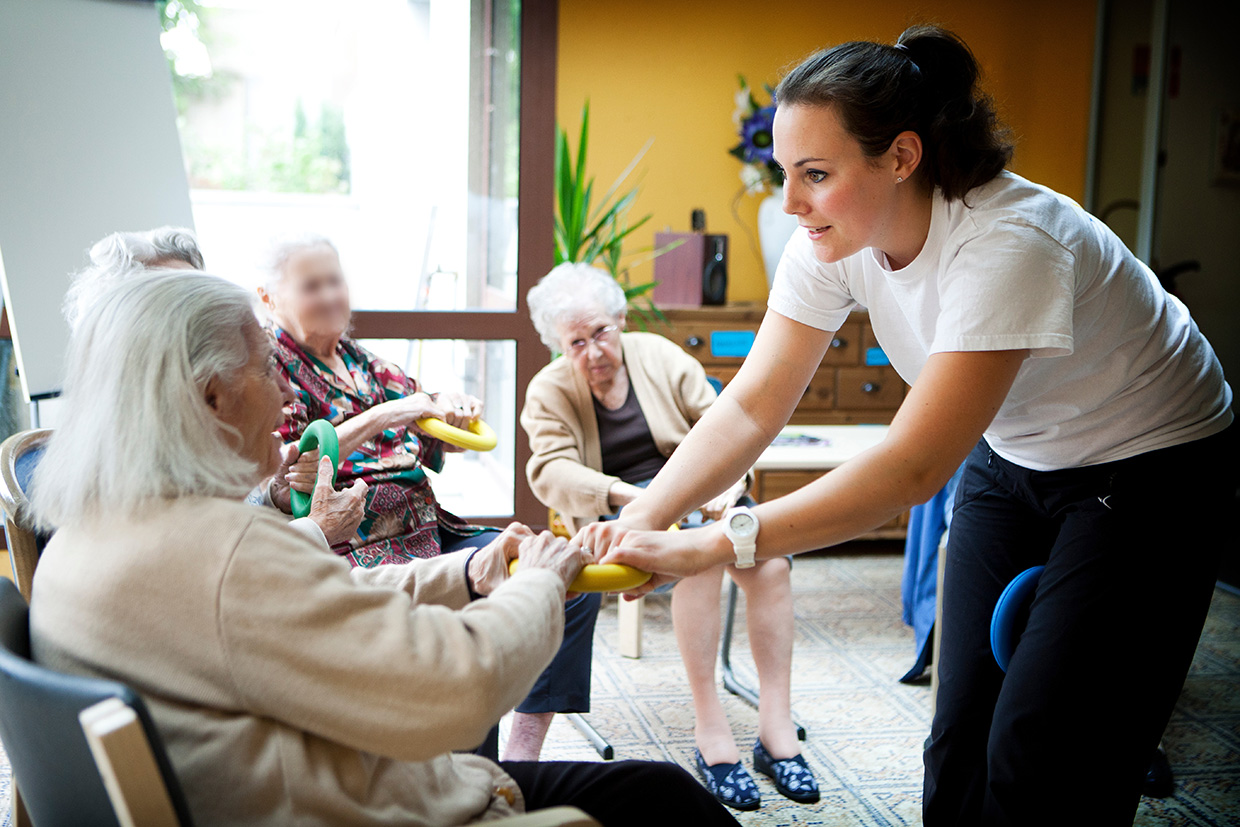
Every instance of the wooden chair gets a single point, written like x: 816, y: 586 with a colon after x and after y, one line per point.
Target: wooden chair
x: 18, y: 456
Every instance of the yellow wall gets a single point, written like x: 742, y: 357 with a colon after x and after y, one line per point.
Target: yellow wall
x: 667, y: 69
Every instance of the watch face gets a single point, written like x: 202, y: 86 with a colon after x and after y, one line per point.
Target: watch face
x: 741, y: 523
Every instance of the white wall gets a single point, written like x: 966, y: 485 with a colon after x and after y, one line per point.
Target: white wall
x: 88, y: 146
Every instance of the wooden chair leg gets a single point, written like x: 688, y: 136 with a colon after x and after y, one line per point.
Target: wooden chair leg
x: 938, y: 626
x: 18, y: 816
x: 631, y: 614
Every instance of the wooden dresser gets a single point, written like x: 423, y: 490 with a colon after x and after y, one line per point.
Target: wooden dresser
x: 853, y: 385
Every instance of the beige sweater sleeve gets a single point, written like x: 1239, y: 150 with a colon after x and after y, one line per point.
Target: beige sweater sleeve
x: 370, y: 666
x: 556, y: 470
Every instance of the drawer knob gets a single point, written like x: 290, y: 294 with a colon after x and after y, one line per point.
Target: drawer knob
x: 871, y: 387
x: 837, y: 343
x: 693, y: 341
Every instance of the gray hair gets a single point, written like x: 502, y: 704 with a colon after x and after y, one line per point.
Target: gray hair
x: 121, y: 256
x: 137, y: 427
x: 568, y: 291
x: 284, y: 248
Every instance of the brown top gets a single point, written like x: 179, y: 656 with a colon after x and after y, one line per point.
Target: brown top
x: 624, y: 437
x: 290, y: 689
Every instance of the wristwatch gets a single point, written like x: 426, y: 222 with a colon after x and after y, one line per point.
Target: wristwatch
x: 740, y: 525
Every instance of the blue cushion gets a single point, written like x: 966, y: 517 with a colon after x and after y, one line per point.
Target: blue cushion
x: 1011, y: 614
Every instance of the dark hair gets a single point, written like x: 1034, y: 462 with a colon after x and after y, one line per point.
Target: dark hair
x: 927, y: 83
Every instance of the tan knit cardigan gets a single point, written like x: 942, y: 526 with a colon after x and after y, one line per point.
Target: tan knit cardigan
x: 565, y: 471
x: 290, y: 689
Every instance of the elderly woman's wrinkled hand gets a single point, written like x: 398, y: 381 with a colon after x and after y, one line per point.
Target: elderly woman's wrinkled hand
x: 547, y: 551
x: 337, y: 513
x: 459, y: 409
x: 488, y: 568
x: 714, y: 509
x: 299, y: 472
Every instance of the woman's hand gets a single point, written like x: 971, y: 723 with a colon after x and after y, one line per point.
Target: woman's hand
x: 714, y: 509
x: 337, y: 513
x: 278, y: 490
x: 488, y: 568
x: 622, y: 493
x: 546, y: 551
x: 298, y: 471
x: 670, y: 555
x: 459, y: 409
x: 408, y: 410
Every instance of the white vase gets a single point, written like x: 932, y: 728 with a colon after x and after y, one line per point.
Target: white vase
x: 775, y: 227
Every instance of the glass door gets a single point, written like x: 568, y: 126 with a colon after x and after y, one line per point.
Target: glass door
x: 417, y: 136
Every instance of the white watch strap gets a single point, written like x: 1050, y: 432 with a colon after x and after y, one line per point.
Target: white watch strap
x: 744, y: 554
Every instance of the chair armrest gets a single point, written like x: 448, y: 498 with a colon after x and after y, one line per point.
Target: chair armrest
x: 550, y: 817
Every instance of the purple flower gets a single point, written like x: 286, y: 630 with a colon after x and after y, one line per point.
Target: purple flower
x: 757, y: 144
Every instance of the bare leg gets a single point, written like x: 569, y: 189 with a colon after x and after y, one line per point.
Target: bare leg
x: 525, y: 739
x: 768, y: 609
x: 695, y: 618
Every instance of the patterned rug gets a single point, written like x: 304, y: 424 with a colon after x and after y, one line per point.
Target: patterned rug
x: 865, y: 729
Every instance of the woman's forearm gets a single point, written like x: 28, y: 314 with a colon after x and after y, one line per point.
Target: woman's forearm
x: 719, y: 450
x: 724, y: 444
x: 356, y: 430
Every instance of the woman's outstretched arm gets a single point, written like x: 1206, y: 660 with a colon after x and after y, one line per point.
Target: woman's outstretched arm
x: 943, y: 417
x: 723, y: 445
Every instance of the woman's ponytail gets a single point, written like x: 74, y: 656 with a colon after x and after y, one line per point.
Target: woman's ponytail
x: 927, y: 83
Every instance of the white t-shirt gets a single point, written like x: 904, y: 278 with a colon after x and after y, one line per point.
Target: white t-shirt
x: 1119, y: 367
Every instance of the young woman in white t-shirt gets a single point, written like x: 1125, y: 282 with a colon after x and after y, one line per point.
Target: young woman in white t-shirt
x: 1091, y: 414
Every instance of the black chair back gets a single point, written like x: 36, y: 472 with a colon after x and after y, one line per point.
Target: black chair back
x: 39, y: 727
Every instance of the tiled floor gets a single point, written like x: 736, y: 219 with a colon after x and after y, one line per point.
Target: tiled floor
x: 866, y: 730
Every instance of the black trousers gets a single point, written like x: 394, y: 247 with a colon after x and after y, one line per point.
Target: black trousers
x: 620, y: 793
x: 1131, y: 550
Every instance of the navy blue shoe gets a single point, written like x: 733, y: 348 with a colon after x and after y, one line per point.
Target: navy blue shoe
x: 792, y: 776
x: 730, y: 784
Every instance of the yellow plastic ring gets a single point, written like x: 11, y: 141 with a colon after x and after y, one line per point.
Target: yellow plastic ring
x: 602, y: 577
x: 605, y: 577
x: 479, y: 437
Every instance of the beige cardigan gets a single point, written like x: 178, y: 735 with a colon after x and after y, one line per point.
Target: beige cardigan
x: 565, y: 471
x: 290, y: 689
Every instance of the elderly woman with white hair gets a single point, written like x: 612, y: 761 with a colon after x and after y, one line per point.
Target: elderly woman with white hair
x: 375, y: 407
x: 602, y: 421
x: 123, y: 255
x: 288, y: 687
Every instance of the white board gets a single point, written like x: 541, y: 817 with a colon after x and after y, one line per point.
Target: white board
x: 88, y: 146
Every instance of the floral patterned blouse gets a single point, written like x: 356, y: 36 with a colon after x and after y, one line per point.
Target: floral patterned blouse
x: 403, y: 520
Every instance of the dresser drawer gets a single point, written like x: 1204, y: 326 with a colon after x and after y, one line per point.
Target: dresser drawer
x: 820, y: 394
x: 713, y: 343
x: 869, y: 388
x: 845, y: 347
x: 723, y: 373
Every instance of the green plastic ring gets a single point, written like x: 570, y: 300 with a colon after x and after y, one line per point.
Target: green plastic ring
x: 319, y: 434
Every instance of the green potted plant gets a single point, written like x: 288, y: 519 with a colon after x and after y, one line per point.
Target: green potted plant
x: 596, y: 233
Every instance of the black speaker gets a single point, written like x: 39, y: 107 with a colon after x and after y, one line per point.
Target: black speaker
x: 715, y: 271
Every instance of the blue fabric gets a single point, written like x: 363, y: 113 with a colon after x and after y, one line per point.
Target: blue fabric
x: 926, y: 526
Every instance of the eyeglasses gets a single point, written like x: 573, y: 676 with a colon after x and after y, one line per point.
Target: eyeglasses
x: 598, y: 337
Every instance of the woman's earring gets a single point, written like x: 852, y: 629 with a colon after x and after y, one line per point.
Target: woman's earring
x: 899, y: 180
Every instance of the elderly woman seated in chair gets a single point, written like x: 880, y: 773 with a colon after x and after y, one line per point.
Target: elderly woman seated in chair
x: 602, y: 421
x: 375, y: 408
x: 289, y: 687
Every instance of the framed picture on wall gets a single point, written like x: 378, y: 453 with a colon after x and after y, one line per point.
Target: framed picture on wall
x: 1226, y: 161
